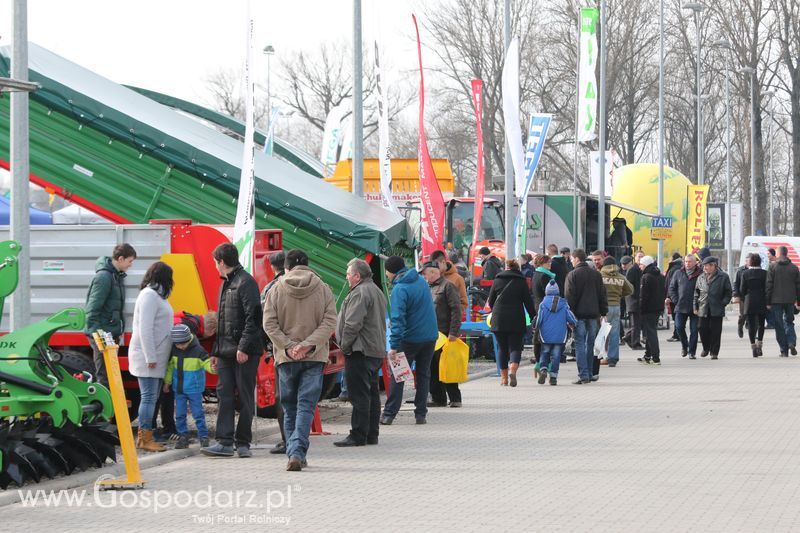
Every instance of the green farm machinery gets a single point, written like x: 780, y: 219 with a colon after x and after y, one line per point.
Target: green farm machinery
x: 51, y: 422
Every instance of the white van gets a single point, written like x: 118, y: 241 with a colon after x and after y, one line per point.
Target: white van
x: 761, y: 243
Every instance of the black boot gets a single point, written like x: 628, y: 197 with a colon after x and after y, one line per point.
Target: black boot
x: 754, y: 346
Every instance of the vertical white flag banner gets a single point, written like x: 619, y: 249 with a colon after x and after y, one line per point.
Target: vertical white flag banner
x: 245, y: 226
x: 346, y: 139
x: 510, y: 88
x: 587, y: 81
x: 537, y: 134
x: 594, y: 167
x: 383, y: 134
x: 331, y: 137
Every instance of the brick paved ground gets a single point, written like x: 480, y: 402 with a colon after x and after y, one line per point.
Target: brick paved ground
x: 689, y: 446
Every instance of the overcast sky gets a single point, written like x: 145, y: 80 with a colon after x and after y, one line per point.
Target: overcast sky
x: 172, y: 46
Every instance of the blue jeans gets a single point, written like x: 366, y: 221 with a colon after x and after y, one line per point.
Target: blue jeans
x: 613, y: 318
x: 300, y: 385
x: 689, y: 343
x: 422, y: 353
x: 149, y: 389
x: 783, y: 320
x: 585, y: 334
x: 195, y: 403
x: 551, y: 356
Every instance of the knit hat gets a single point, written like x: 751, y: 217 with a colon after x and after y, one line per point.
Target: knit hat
x: 710, y: 259
x: 552, y: 289
x: 646, y: 261
x: 609, y: 261
x: 625, y: 259
x: 181, y: 333
x: 395, y: 264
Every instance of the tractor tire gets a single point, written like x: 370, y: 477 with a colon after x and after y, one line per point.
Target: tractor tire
x: 76, y: 362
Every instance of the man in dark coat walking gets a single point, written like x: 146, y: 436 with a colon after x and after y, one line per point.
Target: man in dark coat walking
x: 634, y: 275
x: 586, y: 296
x: 783, y: 294
x: 651, y: 305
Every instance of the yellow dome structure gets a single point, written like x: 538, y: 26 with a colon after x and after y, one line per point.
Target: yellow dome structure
x: 637, y: 186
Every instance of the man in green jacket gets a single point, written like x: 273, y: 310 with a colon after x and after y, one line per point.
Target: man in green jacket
x: 105, y: 301
x: 617, y: 287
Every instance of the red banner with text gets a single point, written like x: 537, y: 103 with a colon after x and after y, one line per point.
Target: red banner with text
x: 477, y: 102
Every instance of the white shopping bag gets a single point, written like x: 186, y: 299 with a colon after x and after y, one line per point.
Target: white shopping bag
x: 601, y: 341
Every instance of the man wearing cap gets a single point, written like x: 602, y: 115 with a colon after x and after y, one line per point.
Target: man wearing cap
x: 634, y: 275
x: 413, y: 332
x: 491, y: 265
x: 712, y: 294
x: 617, y: 288
x: 651, y: 304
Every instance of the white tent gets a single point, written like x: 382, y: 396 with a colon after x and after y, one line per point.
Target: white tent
x: 75, y: 214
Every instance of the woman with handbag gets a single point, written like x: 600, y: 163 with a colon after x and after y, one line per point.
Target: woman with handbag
x: 509, y: 300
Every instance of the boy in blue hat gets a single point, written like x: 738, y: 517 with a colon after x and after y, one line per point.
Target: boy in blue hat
x: 186, y: 372
x: 552, y: 321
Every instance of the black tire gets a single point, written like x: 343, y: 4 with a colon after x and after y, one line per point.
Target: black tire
x: 76, y: 362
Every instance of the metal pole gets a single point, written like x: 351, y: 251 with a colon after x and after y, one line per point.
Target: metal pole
x: 509, y: 178
x: 358, y: 120
x: 753, y: 206
x: 601, y: 192
x: 729, y: 236
x: 20, y: 211
x: 269, y: 90
x: 575, y: 229
x: 771, y: 172
x: 661, y: 127
x: 700, y: 177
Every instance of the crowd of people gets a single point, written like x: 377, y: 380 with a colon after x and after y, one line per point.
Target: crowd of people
x: 564, y: 293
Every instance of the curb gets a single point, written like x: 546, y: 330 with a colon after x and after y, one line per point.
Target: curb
x: 151, y: 460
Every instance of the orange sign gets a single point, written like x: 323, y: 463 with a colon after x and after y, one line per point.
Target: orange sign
x: 696, y: 219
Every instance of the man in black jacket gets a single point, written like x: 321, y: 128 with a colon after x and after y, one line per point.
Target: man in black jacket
x: 681, y: 296
x: 651, y: 305
x: 586, y: 295
x: 558, y: 266
x: 236, y: 353
x: 634, y: 275
x: 491, y: 265
x: 783, y: 293
x: 675, y: 265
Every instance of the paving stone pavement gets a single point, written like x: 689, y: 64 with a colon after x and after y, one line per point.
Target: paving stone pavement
x: 688, y: 446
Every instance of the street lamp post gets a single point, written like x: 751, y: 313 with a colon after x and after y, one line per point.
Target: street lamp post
x: 697, y: 8
x: 269, y: 51
x: 728, y: 236
x: 661, y: 126
x: 752, y: 73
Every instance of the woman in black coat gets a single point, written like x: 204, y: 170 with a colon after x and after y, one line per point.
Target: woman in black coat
x: 753, y: 288
x: 509, y: 299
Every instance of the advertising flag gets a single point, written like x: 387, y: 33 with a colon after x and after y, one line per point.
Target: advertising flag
x: 537, y: 134
x: 510, y: 88
x: 269, y: 141
x: 477, y: 103
x: 245, y: 225
x: 383, y: 135
x: 587, y: 80
x: 697, y: 198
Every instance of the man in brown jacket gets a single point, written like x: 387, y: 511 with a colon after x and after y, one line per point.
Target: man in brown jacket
x: 448, y: 320
x: 299, y: 318
x: 450, y: 273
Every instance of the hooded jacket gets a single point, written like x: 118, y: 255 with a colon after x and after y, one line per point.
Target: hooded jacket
x: 412, y: 315
x: 491, y: 268
x: 509, y: 298
x: 653, y: 292
x: 552, y: 325
x: 447, y: 306
x: 452, y: 275
x: 681, y: 289
x: 617, y: 287
x: 186, y: 370
x: 239, y: 316
x: 300, y: 310
x: 361, y: 326
x: 783, y: 282
x: 105, y: 300
x: 586, y: 293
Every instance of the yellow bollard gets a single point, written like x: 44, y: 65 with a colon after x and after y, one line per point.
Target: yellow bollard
x: 105, y: 341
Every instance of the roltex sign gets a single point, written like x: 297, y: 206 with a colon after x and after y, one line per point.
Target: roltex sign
x: 697, y: 198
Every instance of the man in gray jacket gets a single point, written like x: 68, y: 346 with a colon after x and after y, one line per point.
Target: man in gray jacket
x: 361, y: 331
x: 783, y: 293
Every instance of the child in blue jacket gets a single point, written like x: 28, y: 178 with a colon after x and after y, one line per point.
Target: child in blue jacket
x: 186, y: 372
x: 552, y: 321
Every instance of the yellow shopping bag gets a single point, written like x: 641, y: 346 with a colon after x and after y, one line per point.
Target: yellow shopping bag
x: 453, y: 362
